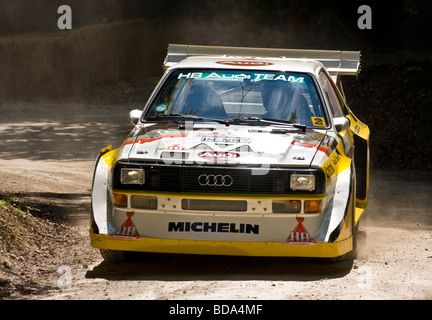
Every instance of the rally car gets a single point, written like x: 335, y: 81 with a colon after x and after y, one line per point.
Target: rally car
x: 238, y: 151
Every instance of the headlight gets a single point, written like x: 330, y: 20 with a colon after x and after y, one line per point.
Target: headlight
x: 302, y: 182
x: 132, y: 176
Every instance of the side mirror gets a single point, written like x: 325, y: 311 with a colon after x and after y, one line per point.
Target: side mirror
x: 341, y: 123
x: 134, y: 116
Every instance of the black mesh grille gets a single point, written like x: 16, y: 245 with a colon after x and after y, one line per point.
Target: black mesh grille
x: 239, y: 180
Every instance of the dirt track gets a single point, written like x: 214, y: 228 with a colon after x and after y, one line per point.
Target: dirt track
x: 47, y: 154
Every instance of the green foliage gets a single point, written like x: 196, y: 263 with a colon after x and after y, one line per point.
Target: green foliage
x: 8, y: 200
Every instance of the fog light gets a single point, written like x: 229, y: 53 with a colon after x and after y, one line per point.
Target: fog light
x: 286, y: 206
x: 312, y: 206
x: 120, y: 200
x: 144, y: 202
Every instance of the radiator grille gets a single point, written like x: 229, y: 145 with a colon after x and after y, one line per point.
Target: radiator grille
x: 215, y: 179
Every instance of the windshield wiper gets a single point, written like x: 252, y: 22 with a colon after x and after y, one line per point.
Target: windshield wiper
x: 268, y: 121
x: 175, y: 116
x: 228, y: 122
x: 278, y: 121
x: 185, y: 117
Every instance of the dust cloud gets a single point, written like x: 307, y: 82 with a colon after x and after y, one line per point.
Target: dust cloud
x: 66, y: 94
x: 400, y: 198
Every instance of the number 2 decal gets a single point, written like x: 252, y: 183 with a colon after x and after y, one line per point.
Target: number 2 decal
x: 318, y: 122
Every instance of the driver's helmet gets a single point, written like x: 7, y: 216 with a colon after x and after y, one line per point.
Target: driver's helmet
x: 276, y: 97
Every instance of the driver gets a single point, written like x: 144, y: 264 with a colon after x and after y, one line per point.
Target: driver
x: 276, y: 97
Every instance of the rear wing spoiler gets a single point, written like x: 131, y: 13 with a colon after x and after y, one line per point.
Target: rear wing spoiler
x: 335, y: 61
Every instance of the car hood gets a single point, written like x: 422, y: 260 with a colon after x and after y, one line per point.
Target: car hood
x: 219, y: 144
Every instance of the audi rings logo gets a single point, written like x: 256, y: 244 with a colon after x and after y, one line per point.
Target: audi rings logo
x: 212, y: 180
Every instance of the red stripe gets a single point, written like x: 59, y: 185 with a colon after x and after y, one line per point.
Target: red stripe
x: 141, y: 141
x: 313, y: 146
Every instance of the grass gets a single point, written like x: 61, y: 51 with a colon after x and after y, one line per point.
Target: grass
x: 9, y: 200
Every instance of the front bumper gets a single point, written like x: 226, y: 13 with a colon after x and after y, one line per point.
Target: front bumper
x: 232, y: 248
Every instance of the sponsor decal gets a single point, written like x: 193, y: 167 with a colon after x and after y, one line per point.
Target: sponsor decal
x: 226, y: 139
x: 220, y: 227
x: 128, y: 229
x: 218, y: 137
x: 356, y: 129
x: 336, y: 159
x: 161, y: 108
x: 246, y: 63
x: 280, y: 77
x: 318, y: 122
x: 218, y: 156
x: 242, y: 76
x: 173, y: 147
x: 300, y: 234
x: 329, y: 170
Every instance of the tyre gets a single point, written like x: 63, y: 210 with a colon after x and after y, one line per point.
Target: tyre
x: 113, y: 256
x: 355, y: 232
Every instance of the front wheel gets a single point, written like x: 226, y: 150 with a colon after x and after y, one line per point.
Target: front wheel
x: 355, y: 232
x: 113, y: 256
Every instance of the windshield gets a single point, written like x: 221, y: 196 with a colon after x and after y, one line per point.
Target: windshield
x: 232, y: 94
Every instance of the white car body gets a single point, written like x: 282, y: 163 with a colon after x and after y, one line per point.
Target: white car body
x: 229, y: 187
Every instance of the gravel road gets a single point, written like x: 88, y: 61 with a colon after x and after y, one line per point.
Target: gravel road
x: 47, y: 157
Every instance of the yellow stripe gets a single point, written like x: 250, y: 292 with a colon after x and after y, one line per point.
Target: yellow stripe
x: 357, y: 214
x: 222, y: 195
x: 234, y: 248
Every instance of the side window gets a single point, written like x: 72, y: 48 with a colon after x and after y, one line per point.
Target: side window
x: 330, y: 95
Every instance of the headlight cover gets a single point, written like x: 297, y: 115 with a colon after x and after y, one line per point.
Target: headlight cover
x: 132, y: 176
x: 304, y: 182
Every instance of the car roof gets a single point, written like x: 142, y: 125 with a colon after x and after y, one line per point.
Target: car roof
x: 252, y: 63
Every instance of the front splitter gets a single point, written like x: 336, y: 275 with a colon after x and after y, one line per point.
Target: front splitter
x: 231, y: 248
